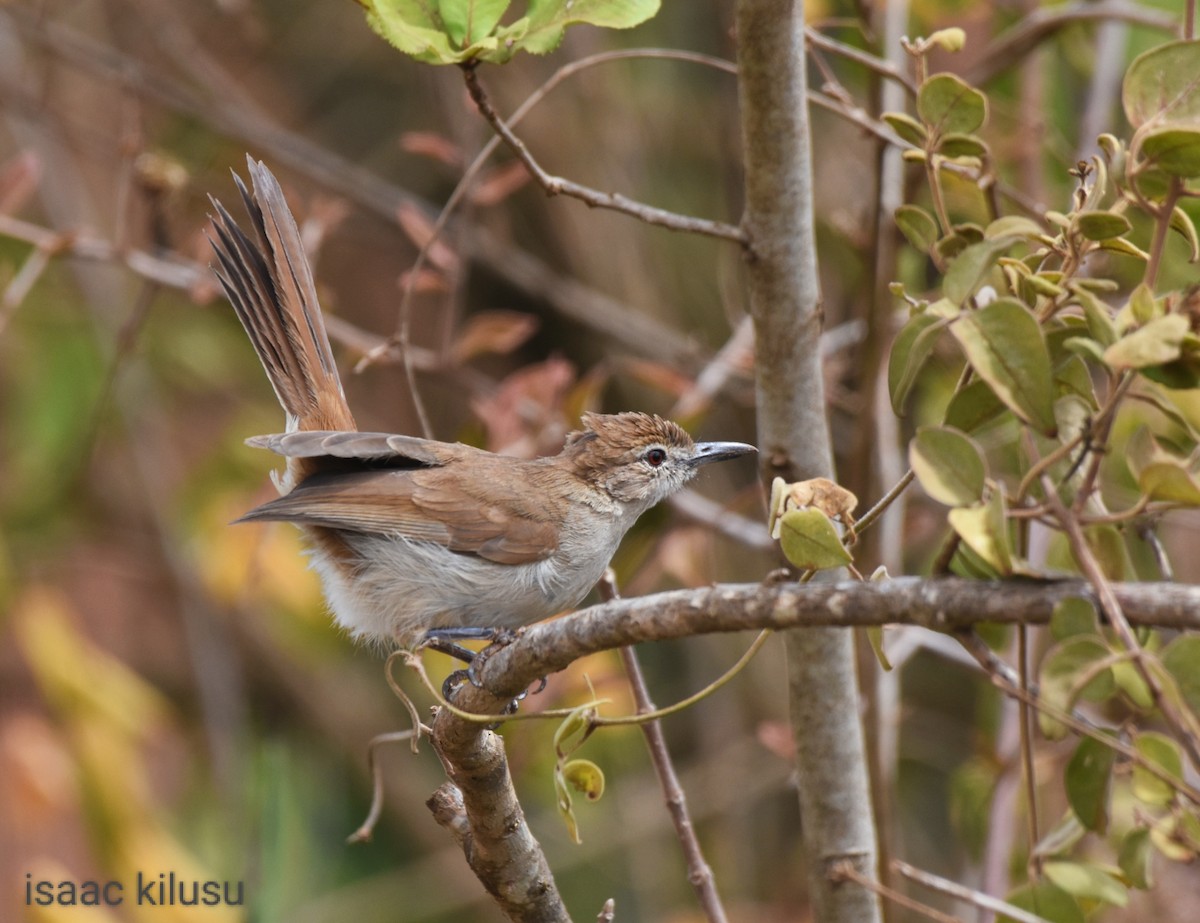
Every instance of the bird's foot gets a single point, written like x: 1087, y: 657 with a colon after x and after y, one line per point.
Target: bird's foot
x: 445, y: 640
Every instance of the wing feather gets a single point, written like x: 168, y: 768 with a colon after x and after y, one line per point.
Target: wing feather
x: 432, y: 504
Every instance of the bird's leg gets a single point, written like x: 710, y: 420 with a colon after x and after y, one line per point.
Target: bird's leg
x: 445, y: 640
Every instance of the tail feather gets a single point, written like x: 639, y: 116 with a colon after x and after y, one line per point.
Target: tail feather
x: 269, y: 282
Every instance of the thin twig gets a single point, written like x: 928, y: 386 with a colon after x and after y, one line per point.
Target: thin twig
x: 1032, y: 30
x: 256, y: 128
x: 1113, y: 611
x: 22, y: 281
x: 971, y: 896
x: 366, y: 829
x: 845, y: 871
x: 1025, y: 719
x: 401, y: 337
x: 880, y: 66
x: 700, y: 874
x: 1003, y: 677
x: 555, y: 185
x: 885, y: 501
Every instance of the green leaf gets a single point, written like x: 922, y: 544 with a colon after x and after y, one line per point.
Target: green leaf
x: 1046, y: 900
x: 960, y: 145
x: 1174, y: 150
x: 1164, y: 752
x: 912, y: 347
x: 1070, y: 670
x: 1182, y: 224
x: 549, y: 18
x: 1072, y: 377
x: 570, y: 735
x: 948, y: 106
x: 1135, y: 858
x: 1102, y: 225
x: 1085, y: 348
x: 1141, y: 308
x: 470, y: 21
x: 1109, y: 549
x: 1181, y: 658
x: 1088, y: 781
x: 412, y: 26
x: 906, y: 127
x: 971, y: 266
x: 562, y: 800
x: 1014, y: 226
x: 1125, y: 248
x: 810, y: 542
x: 1097, y: 315
x: 1043, y: 283
x: 1087, y: 881
x: 948, y: 464
x: 984, y: 530
x: 918, y: 226
x: 1004, y: 345
x: 1163, y: 85
x: 1133, y: 686
x: 1161, y: 475
x: 1158, y: 342
x: 973, y: 407
x: 875, y: 637
x: 1073, y: 616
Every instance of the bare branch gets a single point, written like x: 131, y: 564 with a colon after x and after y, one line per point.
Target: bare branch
x: 940, y: 605
x: 555, y: 185
x: 1033, y: 29
x: 978, y: 898
x: 479, y: 808
x: 700, y: 874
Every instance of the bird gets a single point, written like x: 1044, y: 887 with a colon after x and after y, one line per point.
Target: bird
x: 419, y: 542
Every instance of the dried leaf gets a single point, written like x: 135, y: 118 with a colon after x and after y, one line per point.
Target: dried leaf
x: 498, y: 184
x: 497, y: 332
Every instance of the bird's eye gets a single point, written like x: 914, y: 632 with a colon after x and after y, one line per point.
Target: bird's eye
x: 655, y: 457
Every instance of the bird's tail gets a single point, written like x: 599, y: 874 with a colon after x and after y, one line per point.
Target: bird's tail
x: 267, y: 277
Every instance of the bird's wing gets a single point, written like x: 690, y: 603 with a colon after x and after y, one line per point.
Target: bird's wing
x: 379, y: 447
x: 434, y: 504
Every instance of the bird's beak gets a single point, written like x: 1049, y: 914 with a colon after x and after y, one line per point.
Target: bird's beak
x: 719, y: 451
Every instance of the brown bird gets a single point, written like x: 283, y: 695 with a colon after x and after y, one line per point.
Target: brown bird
x: 418, y: 541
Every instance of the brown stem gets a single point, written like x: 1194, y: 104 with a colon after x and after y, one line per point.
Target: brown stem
x: 1112, y: 609
x: 555, y: 185
x: 699, y: 872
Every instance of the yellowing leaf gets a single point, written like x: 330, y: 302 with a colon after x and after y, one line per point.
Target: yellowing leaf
x: 948, y: 464
x: 1156, y: 343
x: 1087, y: 881
x: 1165, y: 753
x: 586, y: 777
x: 983, y: 529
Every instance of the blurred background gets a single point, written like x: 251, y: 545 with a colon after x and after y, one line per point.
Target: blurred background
x: 172, y: 693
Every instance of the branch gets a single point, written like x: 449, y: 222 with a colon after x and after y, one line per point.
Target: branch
x: 947, y: 605
x: 480, y: 809
x: 555, y: 185
x: 1037, y: 26
x: 700, y: 874
x: 256, y: 128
